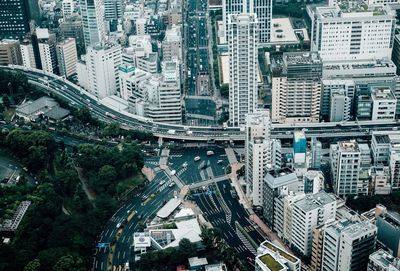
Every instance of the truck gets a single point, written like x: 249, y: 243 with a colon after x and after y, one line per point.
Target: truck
x: 171, y: 132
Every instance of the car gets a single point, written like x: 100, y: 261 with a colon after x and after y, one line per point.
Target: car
x: 118, y: 225
x: 171, y: 185
x: 173, y: 172
x: 220, y: 161
x: 185, y: 164
x: 197, y: 158
x: 162, y: 182
x: 210, y: 153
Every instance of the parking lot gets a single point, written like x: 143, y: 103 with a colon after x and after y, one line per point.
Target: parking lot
x: 191, y: 171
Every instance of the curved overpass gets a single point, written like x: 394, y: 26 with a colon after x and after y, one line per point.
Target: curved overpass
x: 80, y: 97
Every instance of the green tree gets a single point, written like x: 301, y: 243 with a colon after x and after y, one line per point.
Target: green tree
x: 186, y: 248
x: 69, y: 263
x: 6, y: 101
x: 32, y: 265
x: 211, y: 237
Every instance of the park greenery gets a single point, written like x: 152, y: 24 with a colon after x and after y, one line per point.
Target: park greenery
x: 366, y: 203
x: 60, y: 228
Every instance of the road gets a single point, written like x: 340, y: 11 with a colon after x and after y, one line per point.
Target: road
x: 79, y: 97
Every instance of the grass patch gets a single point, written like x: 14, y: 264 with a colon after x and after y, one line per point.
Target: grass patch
x: 271, y: 263
x: 8, y: 114
x: 130, y: 183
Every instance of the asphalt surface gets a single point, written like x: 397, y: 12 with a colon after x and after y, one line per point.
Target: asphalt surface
x: 157, y: 195
x: 224, y: 212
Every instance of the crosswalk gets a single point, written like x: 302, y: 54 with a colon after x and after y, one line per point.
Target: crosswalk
x: 165, y: 185
x: 245, y: 241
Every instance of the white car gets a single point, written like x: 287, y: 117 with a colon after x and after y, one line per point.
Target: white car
x: 197, y: 158
x: 171, y: 185
x: 118, y: 225
x: 173, y: 172
x: 162, y: 182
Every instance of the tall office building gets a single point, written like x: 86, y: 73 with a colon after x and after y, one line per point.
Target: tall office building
x: 99, y: 73
x: 258, y: 154
x: 113, y: 13
x: 172, y: 44
x: 347, y: 245
x: 72, y: 28
x: 10, y: 52
x: 299, y: 147
x: 345, y: 99
x: 27, y: 54
x: 352, y: 30
x: 46, y: 42
x: 243, y: 51
x: 262, y: 8
x: 92, y: 21
x: 340, y: 106
x: 14, y: 19
x: 316, y: 153
x: 346, y: 164
x: 67, y: 8
x: 308, y: 213
x: 296, y: 88
x: 67, y: 57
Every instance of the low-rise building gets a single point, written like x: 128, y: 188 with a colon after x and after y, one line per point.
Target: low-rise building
x: 44, y: 106
x: 273, y: 258
x: 382, y: 261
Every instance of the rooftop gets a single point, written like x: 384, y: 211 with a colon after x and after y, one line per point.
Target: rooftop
x: 168, y: 208
x: 384, y: 259
x: 281, y: 252
x: 382, y: 93
x: 271, y: 263
x: 301, y: 58
x: 57, y: 113
x: 348, y: 146
x: 314, y: 201
x: 280, y: 177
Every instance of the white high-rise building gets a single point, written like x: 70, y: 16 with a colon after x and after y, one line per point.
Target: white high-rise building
x: 262, y: 8
x: 67, y: 57
x: 243, y: 63
x: 28, y: 55
x: 262, y: 154
x: 296, y: 88
x: 308, y: 213
x: 47, y: 50
x: 329, y: 87
x: 100, y: 72
x: 67, y: 7
x: 340, y: 106
x: 172, y: 44
x: 92, y: 13
x: 347, y: 245
x: 352, y: 30
x: 346, y: 164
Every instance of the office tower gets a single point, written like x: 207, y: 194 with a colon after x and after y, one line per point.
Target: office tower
x: 382, y: 261
x: 130, y: 77
x: 278, y: 182
x: 316, y: 153
x: 92, y: 21
x: 396, y: 52
x: 380, y: 180
x: 172, y: 44
x: 313, y: 181
x: 345, y: 99
x: 308, y: 213
x: 165, y: 105
x: 346, y: 164
x: 383, y: 103
x: 258, y: 154
x: 318, y: 246
x: 67, y: 57
x: 99, y: 73
x: 14, y: 19
x: 388, y: 225
x: 394, y: 166
x: 113, y: 13
x: 72, y: 28
x: 340, y: 106
x: 27, y: 54
x: 243, y: 51
x: 382, y: 143
x: 10, y: 52
x: 347, y: 245
x: 299, y: 147
x: 352, y: 30
x: 67, y: 7
x: 296, y: 87
x: 262, y: 8
x: 46, y: 43
x: 271, y: 257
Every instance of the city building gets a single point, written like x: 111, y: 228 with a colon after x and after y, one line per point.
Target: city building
x: 258, y: 154
x: 296, y: 87
x: 380, y: 180
x: 299, y: 147
x: 345, y: 99
x: 92, y: 21
x: 262, y: 9
x: 46, y: 42
x: 113, y: 13
x: 73, y: 28
x: 340, y: 106
x: 172, y: 44
x: 396, y: 52
x: 388, y: 224
x: 310, y: 212
x: 316, y: 153
x: 273, y: 258
x: 382, y: 261
x: 381, y: 143
x: 347, y: 245
x: 352, y: 30
x: 44, y: 106
x: 99, y: 74
x: 67, y: 57
x: 27, y: 54
x: 15, y: 18
x: 318, y: 245
x: 313, y: 181
x: 243, y: 67
x: 383, y: 104
x: 10, y: 52
x: 67, y: 8
x: 278, y: 182
x: 345, y: 164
